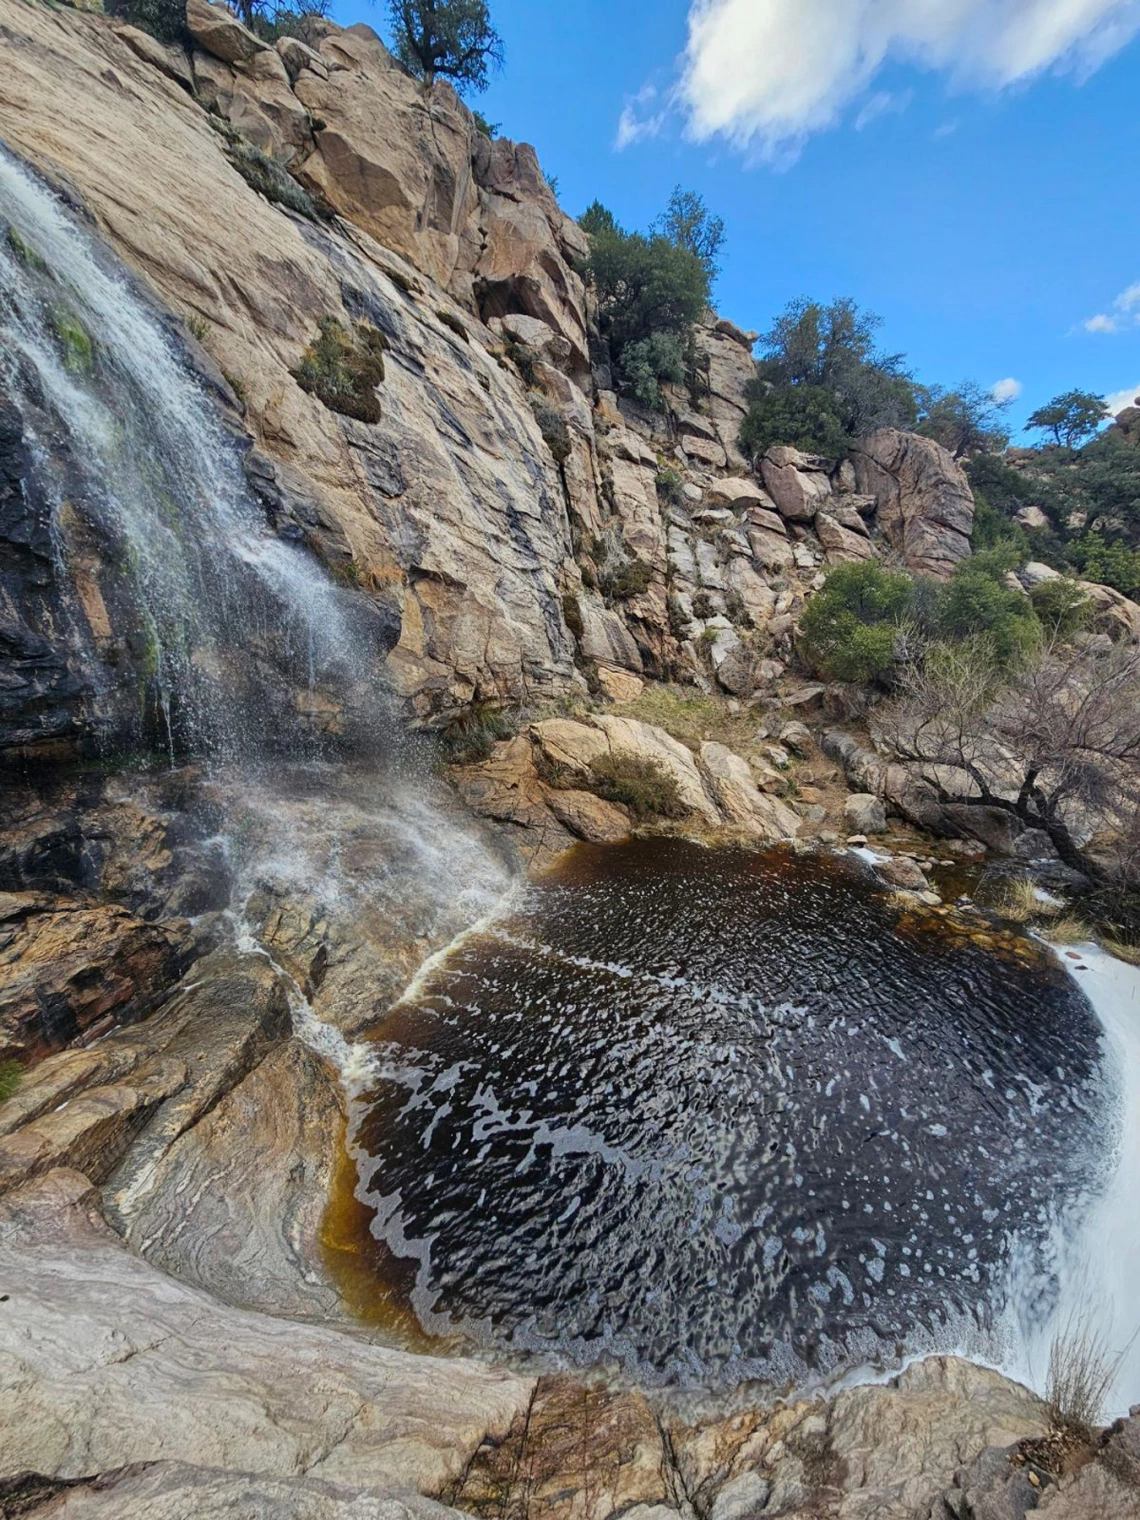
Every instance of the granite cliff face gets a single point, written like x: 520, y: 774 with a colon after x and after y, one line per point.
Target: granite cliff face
x: 495, y: 554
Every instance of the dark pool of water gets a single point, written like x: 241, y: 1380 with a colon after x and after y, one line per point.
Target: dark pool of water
x: 718, y: 1114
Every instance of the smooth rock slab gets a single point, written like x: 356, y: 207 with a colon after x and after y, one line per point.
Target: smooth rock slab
x: 105, y: 1361
x: 175, y: 1491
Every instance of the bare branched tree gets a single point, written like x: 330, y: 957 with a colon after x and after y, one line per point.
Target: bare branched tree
x: 1058, y: 749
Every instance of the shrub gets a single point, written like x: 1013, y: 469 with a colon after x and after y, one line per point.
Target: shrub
x: 472, y: 734
x: 1062, y: 607
x: 264, y: 174
x: 703, y: 605
x: 799, y: 416
x: 977, y: 604
x: 342, y: 368
x: 643, y: 285
x: 651, y: 361
x: 489, y: 129
x: 552, y: 425
x: 850, y: 627
x: 1081, y: 1372
x: 164, y: 19
x: 632, y: 579
x: 670, y: 487
x: 1109, y: 564
x: 641, y: 784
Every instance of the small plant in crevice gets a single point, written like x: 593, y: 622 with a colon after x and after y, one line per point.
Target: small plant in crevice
x: 265, y: 174
x: 450, y: 320
x: 703, y: 606
x: 639, y: 783
x: 1082, y: 1370
x: 197, y: 327
x: 629, y: 580
x: 343, y: 366
x: 237, y: 385
x: 552, y: 426
x: 472, y: 734
x: 736, y: 611
x: 670, y: 487
x: 10, y: 1075
x: 572, y: 616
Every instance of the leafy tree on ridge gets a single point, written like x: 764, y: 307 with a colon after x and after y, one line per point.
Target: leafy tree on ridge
x: 450, y: 39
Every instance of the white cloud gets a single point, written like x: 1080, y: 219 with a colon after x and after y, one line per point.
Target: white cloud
x: 1127, y: 307
x: 883, y: 104
x: 1007, y: 390
x: 767, y: 73
x: 642, y: 117
x: 1120, y: 399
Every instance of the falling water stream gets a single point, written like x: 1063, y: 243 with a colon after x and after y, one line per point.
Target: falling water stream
x: 706, y: 1115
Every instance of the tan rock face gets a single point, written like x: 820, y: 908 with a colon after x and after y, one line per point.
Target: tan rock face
x: 796, y: 482
x: 66, y: 966
x: 926, y: 508
x: 452, y: 508
x: 217, y: 30
x: 209, y: 1385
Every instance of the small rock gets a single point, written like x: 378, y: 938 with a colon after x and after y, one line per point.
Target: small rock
x: 742, y: 1496
x: 828, y: 836
x: 778, y: 756
x: 904, y: 873
x: 865, y: 813
x: 797, y: 738
x: 857, y: 841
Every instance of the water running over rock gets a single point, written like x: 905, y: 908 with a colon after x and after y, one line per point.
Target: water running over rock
x: 230, y: 629
x: 719, y: 1115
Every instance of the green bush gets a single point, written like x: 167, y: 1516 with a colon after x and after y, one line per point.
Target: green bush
x: 342, y: 368
x: 798, y: 416
x: 976, y: 603
x: 1062, y: 607
x: 850, y: 627
x: 642, y: 785
x: 649, y: 363
x: 1108, y: 564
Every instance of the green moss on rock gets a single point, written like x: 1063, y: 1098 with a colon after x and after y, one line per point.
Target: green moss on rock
x: 342, y: 367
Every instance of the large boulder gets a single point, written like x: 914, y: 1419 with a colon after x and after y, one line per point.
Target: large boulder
x: 216, y: 29
x: 926, y: 507
x: 797, y: 483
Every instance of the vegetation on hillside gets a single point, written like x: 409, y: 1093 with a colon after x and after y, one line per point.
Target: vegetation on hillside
x: 822, y: 381
x: 651, y: 289
x: 446, y: 39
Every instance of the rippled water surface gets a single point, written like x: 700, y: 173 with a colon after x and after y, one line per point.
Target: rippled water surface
x: 717, y: 1114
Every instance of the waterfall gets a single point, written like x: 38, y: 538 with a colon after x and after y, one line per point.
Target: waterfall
x: 227, y: 620
x: 221, y: 642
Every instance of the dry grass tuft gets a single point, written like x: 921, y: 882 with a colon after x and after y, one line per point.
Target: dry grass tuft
x: 1021, y: 902
x: 1068, y: 930
x: 1081, y: 1372
x: 1123, y: 950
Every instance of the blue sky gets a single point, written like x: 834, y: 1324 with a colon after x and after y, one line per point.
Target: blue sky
x: 969, y: 174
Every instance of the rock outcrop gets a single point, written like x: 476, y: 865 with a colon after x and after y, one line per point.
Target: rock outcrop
x: 925, y: 505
